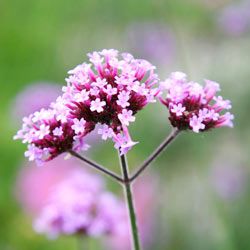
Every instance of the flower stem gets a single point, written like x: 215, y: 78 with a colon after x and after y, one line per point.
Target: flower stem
x: 98, y: 167
x: 157, y: 151
x: 130, y: 203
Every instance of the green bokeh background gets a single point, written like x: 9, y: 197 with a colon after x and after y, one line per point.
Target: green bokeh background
x: 41, y: 40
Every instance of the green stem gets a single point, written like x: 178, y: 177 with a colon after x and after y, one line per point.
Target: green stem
x: 130, y: 203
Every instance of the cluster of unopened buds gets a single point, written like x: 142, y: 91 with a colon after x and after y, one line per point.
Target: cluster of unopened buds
x: 106, y: 94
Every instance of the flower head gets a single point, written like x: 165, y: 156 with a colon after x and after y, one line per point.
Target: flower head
x: 194, y: 107
x: 48, y: 136
x: 106, y: 132
x: 109, y: 91
x: 78, y: 204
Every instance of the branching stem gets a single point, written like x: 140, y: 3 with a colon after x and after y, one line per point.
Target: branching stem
x: 98, y: 167
x: 154, y: 155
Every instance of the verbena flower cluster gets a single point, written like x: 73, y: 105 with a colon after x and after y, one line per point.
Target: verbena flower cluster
x: 108, y: 91
x: 192, y: 106
x: 79, y: 204
x: 49, y: 133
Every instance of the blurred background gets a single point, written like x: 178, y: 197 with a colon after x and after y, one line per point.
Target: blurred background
x: 202, y: 199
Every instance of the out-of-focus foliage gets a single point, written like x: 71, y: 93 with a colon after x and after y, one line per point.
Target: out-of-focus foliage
x: 41, y: 40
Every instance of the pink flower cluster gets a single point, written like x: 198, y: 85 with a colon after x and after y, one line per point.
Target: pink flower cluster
x: 79, y: 204
x: 108, y: 91
x: 50, y: 133
x: 192, y: 106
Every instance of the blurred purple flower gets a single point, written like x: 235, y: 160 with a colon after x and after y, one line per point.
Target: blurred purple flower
x: 33, y: 98
x: 78, y: 205
x: 65, y: 199
x: 153, y: 41
x: 61, y: 198
x: 228, y: 180
x: 235, y: 18
x: 34, y: 184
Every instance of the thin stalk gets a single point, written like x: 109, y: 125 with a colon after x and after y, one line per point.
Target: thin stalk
x: 98, y: 167
x: 157, y: 151
x: 130, y: 203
